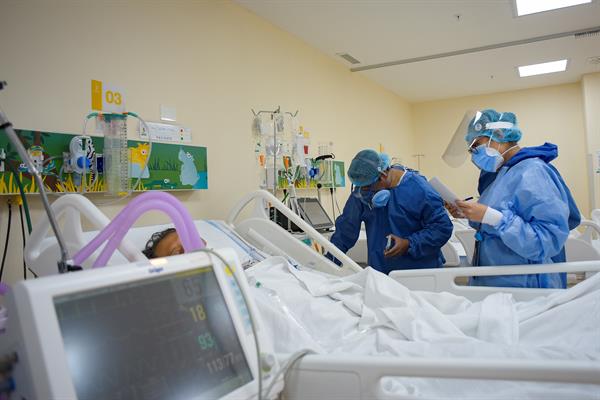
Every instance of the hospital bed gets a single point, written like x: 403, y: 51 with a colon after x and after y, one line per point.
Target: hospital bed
x: 255, y: 239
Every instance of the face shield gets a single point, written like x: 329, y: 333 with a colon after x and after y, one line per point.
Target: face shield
x: 456, y: 151
x: 487, y: 123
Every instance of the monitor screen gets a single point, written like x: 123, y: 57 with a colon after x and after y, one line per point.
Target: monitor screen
x: 314, y: 213
x: 169, y: 337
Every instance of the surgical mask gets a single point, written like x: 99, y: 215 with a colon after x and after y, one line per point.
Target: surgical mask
x: 487, y: 158
x: 372, y: 199
x: 377, y: 199
x: 381, y: 198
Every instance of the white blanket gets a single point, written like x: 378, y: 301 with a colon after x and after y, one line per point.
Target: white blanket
x: 369, y: 313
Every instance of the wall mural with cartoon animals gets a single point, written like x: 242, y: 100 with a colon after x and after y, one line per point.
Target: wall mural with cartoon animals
x: 70, y: 163
x: 174, y: 166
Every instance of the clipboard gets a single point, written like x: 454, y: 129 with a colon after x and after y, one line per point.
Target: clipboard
x: 443, y: 190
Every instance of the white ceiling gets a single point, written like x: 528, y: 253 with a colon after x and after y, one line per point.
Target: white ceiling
x: 379, y: 31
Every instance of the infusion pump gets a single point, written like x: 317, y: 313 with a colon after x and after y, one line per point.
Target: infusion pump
x: 168, y: 328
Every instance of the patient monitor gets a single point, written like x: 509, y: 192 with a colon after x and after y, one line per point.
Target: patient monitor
x: 172, y: 328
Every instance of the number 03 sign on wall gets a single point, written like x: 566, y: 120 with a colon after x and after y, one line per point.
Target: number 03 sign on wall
x: 106, y: 97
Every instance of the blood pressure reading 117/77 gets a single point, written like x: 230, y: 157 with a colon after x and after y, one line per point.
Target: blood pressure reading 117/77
x: 173, y: 334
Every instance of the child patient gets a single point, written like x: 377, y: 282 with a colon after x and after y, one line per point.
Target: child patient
x: 164, y: 244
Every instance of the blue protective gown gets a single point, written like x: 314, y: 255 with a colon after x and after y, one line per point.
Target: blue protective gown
x: 414, y: 212
x: 538, y: 212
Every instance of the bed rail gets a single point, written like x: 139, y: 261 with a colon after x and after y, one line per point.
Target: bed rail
x: 444, y: 279
x: 274, y: 235
x: 360, y: 377
x: 40, y: 255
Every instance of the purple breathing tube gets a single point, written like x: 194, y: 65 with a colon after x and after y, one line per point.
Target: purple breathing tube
x: 115, y: 231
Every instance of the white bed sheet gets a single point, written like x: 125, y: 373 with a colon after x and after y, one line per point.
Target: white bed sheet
x: 369, y: 313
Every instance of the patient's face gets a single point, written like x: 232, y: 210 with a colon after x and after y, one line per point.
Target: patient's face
x: 170, y: 245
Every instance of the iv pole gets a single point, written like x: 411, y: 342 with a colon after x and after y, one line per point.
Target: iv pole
x: 274, y: 114
x: 418, y: 157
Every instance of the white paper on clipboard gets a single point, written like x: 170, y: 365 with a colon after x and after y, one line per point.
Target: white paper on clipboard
x: 443, y: 190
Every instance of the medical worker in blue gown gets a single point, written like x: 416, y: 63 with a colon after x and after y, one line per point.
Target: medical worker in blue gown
x: 525, y: 211
x: 395, y: 202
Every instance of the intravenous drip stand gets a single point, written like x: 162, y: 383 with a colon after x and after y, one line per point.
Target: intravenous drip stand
x: 271, y: 149
x: 276, y: 149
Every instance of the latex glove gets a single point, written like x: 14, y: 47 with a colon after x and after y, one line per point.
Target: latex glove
x: 399, y: 248
x: 472, y: 210
x: 453, y: 210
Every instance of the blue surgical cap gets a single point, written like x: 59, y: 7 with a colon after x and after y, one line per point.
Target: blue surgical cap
x: 483, y: 125
x: 366, y: 167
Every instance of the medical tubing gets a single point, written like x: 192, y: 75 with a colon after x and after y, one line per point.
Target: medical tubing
x: 171, y: 203
x: 95, y: 243
x: 22, y: 192
x: 250, y: 250
x: 332, y: 201
x: 111, y: 227
x: 24, y: 240
x: 7, y: 239
x: 289, y: 364
x: 89, y: 248
x: 275, y: 297
x: 252, y: 321
x: 162, y: 201
x: 336, y: 202
x: 130, y: 218
x: 110, y: 230
x: 12, y: 136
x: 87, y: 118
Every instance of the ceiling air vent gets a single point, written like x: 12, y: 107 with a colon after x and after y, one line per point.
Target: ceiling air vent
x: 594, y: 60
x: 349, y: 58
x: 586, y: 34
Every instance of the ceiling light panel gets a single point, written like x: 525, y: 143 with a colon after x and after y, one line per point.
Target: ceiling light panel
x: 525, y: 7
x: 543, y: 68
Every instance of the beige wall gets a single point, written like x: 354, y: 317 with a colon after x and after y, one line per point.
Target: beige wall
x: 590, y: 86
x: 213, y: 60
x: 553, y: 114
